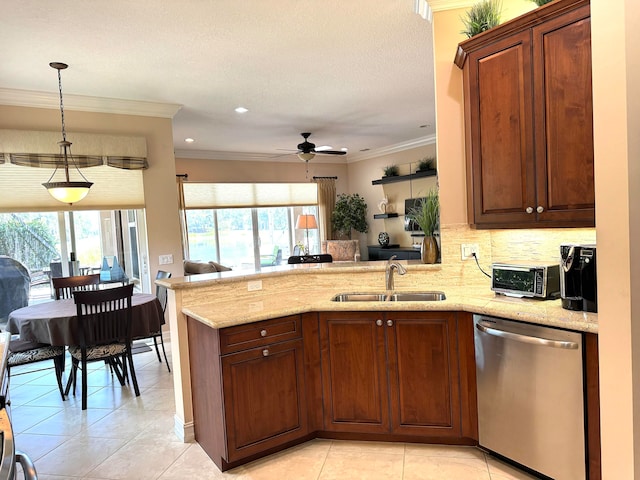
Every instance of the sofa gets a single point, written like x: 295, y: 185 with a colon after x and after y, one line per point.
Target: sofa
x: 195, y: 267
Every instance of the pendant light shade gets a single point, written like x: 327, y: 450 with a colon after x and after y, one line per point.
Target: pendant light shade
x: 66, y: 191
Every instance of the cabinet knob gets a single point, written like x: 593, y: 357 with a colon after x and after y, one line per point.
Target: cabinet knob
x: 379, y: 322
x: 265, y: 352
x: 529, y: 210
x: 540, y: 209
x: 263, y: 333
x: 390, y: 323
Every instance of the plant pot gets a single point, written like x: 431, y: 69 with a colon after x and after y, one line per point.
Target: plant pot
x: 429, y: 250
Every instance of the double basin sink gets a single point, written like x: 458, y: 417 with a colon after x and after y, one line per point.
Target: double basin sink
x: 392, y: 297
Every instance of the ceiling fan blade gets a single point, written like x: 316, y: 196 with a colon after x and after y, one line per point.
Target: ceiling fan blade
x: 331, y: 152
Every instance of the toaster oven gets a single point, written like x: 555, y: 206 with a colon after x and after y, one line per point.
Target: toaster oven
x: 526, y: 280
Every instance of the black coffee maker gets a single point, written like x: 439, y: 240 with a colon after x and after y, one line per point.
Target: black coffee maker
x: 578, y: 283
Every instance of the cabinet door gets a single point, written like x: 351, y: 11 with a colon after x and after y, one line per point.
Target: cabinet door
x: 499, y: 137
x: 564, y: 118
x: 424, y: 374
x: 354, y: 373
x: 264, y: 398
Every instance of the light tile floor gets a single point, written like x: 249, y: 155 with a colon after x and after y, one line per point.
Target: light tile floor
x: 123, y: 437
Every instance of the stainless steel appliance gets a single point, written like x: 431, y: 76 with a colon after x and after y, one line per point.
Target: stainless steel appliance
x: 526, y: 280
x: 530, y: 396
x: 578, y: 282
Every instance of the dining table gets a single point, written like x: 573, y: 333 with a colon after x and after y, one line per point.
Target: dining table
x: 56, y: 323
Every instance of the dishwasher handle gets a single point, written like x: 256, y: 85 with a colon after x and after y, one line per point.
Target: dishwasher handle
x: 546, y: 342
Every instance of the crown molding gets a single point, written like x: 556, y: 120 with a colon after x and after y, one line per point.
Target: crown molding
x: 29, y: 98
x: 441, y: 5
x: 291, y: 158
x: 253, y: 157
x: 398, y: 147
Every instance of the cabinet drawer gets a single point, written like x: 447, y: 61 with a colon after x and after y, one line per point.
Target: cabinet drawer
x: 243, y: 337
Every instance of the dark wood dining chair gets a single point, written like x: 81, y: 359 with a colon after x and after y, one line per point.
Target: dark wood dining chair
x: 23, y: 352
x: 321, y: 258
x: 63, y: 287
x: 161, y: 294
x: 104, y: 329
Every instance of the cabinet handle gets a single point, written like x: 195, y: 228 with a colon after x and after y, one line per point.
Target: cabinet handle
x: 379, y: 322
x: 529, y: 210
x: 540, y: 209
x: 389, y: 323
x: 265, y: 352
x: 263, y: 333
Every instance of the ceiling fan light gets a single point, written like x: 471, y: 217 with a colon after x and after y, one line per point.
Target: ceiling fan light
x: 306, y: 156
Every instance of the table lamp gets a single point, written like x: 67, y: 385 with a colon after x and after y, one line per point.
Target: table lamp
x: 307, y: 222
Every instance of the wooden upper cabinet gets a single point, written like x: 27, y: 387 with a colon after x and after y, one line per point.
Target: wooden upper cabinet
x: 529, y: 120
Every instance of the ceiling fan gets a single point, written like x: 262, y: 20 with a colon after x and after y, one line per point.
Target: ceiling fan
x: 307, y: 150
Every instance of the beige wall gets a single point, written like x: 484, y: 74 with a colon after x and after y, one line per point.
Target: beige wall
x: 163, y: 228
x: 615, y: 46
x: 234, y: 171
x: 362, y: 173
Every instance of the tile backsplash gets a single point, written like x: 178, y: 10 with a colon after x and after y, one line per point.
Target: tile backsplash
x: 516, y: 245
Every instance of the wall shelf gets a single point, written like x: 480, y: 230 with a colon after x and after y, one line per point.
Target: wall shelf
x: 385, y: 215
x: 404, y: 178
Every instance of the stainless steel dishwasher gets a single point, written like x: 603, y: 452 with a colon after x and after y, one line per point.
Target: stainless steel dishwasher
x: 530, y: 395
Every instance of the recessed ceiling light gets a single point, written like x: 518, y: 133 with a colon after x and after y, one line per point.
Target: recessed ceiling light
x: 241, y: 110
x: 425, y: 125
x: 365, y: 149
x: 189, y: 140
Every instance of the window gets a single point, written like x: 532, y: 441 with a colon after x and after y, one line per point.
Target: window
x: 248, y: 237
x: 243, y: 225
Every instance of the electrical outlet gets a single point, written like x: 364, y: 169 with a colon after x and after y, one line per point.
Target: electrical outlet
x: 468, y: 249
x: 254, y: 285
x: 165, y: 259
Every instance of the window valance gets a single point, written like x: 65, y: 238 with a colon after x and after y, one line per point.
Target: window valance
x: 40, y: 149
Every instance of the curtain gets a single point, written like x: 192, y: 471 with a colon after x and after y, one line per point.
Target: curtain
x: 326, y: 204
x: 184, y: 234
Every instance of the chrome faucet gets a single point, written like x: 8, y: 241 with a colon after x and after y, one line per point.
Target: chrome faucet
x: 388, y: 273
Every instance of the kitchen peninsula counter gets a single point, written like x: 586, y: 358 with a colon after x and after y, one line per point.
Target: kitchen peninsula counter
x: 224, y: 300
x: 228, y: 299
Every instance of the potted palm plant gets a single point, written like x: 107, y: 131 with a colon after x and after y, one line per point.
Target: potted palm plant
x: 427, y: 216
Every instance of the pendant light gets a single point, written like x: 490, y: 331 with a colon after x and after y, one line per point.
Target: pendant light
x: 66, y: 191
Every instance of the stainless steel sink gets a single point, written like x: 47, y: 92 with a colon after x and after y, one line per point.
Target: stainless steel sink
x: 395, y: 297
x: 359, y: 297
x: 418, y: 297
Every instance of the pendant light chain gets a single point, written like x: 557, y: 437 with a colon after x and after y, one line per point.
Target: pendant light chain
x: 64, y: 132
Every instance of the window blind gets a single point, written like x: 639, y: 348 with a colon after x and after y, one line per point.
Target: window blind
x: 21, y: 190
x: 246, y: 195
x: 29, y: 158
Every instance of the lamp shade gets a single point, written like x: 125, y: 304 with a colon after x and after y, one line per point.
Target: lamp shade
x: 306, y: 222
x: 68, y: 192
x: 306, y: 156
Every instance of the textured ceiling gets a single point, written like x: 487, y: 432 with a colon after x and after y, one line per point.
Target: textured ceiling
x: 356, y: 73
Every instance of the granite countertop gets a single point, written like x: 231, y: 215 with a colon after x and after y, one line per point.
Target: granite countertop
x: 226, y: 313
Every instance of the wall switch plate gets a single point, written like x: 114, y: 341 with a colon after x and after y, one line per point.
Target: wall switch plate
x: 468, y: 249
x: 254, y: 285
x: 165, y: 259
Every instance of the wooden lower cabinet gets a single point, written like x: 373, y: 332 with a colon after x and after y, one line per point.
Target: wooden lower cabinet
x: 249, y: 401
x: 396, y: 373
